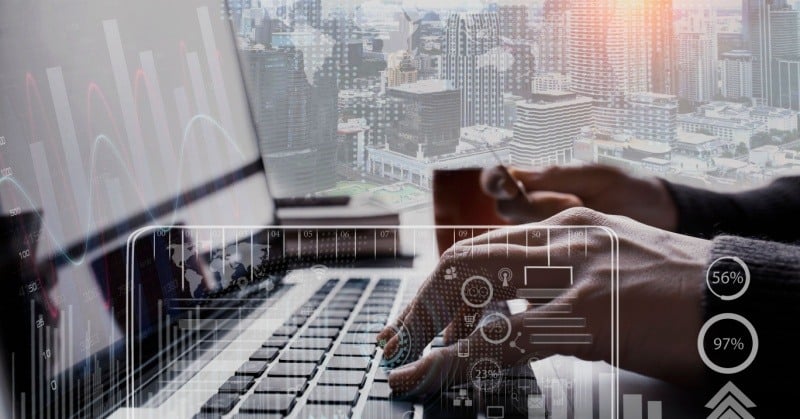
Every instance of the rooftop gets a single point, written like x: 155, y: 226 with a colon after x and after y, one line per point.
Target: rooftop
x: 424, y: 86
x: 695, y: 138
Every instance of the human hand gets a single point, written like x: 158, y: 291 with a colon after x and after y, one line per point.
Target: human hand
x: 602, y: 188
x: 660, y: 296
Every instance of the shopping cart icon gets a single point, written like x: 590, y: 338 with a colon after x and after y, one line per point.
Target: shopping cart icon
x: 469, y: 320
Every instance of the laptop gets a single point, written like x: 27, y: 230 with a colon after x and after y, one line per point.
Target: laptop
x: 118, y: 116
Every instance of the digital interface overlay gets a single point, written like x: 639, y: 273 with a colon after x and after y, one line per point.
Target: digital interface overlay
x: 176, y: 275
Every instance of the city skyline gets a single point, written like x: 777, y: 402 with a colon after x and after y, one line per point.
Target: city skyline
x: 647, y: 67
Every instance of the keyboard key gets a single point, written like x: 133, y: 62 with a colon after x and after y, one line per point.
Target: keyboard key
x: 372, y: 328
x: 381, y: 375
x: 334, y: 395
x: 237, y: 384
x: 268, y: 403
x: 376, y: 310
x: 312, y: 343
x: 293, y: 369
x: 359, y: 338
x: 254, y: 368
x: 371, y: 318
x: 320, y: 332
x: 220, y: 403
x: 282, y: 385
x: 327, y: 322
x: 303, y: 355
x: 387, y: 410
x: 285, y: 331
x: 294, y: 385
x: 322, y: 411
x: 343, y: 305
x: 342, y: 378
x: 380, y: 391
x: 349, y: 363
x: 355, y: 350
x: 334, y: 314
x: 276, y: 342
x: 264, y: 354
x: 296, y: 320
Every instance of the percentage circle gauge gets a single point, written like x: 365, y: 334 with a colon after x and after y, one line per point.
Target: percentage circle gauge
x: 728, y: 264
x: 702, y: 337
x: 485, y: 293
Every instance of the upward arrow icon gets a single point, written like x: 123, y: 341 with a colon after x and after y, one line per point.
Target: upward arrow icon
x: 730, y: 403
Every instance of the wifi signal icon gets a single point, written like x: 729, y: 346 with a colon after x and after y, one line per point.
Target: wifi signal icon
x: 319, y: 271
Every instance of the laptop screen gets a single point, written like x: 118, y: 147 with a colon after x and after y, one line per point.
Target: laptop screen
x: 114, y: 115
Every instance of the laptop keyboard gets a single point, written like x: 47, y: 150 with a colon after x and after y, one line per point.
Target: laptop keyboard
x: 289, y: 365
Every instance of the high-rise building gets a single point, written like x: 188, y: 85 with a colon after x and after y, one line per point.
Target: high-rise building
x: 786, y: 77
x: 608, y: 49
x: 430, y: 122
x: 652, y: 116
x: 306, y: 13
x: 756, y: 34
x: 736, y: 74
x: 514, y: 21
x: 658, y: 23
x: 520, y: 73
x: 552, y: 42
x: 697, y: 70
x: 784, y: 42
x: 475, y: 64
x: 293, y: 120
x: 546, y: 126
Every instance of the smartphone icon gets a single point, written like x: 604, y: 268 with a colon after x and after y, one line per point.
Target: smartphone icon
x: 463, y: 348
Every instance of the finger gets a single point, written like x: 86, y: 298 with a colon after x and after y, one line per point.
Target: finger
x: 496, y: 183
x: 482, y: 275
x: 490, y: 350
x: 587, y: 180
x: 465, y: 275
x: 392, y: 328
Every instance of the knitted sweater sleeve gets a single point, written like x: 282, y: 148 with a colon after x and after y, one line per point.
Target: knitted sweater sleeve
x: 771, y: 304
x: 769, y: 213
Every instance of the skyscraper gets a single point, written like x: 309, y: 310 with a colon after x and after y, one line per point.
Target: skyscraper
x: 608, y: 54
x: 697, y: 70
x: 658, y: 24
x: 784, y: 42
x: 756, y: 30
x: 736, y: 73
x: 546, y: 126
x: 475, y: 64
x: 786, y: 76
x: 552, y: 56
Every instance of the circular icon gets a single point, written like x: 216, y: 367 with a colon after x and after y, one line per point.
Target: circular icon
x: 486, y: 374
x: 403, y: 348
x: 727, y: 343
x: 477, y: 291
x: 496, y: 330
x: 728, y: 278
